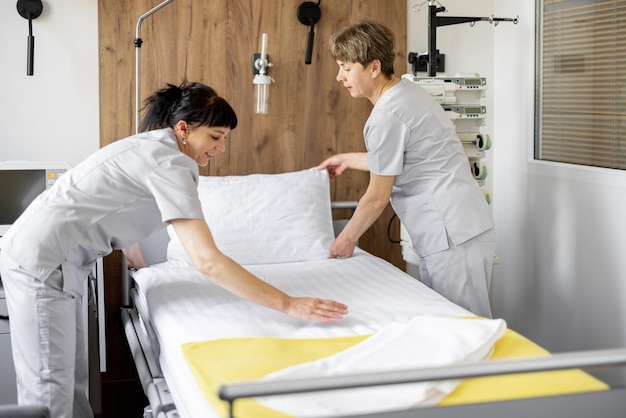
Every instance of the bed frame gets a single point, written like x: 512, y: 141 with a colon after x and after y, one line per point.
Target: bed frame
x: 144, y: 348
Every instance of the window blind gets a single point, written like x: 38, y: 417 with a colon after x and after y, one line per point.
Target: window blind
x: 581, y: 69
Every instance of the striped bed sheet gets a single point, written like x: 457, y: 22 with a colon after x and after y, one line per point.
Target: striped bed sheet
x: 184, y: 306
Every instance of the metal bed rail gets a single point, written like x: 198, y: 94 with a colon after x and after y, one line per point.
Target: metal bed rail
x: 572, y: 360
x: 154, y: 385
x: 600, y: 404
x: 148, y: 338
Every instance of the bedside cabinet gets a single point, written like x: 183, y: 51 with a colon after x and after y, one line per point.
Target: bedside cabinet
x: 8, y: 389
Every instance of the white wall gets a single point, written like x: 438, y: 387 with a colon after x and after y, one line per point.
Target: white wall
x: 562, y: 276
x: 52, y: 115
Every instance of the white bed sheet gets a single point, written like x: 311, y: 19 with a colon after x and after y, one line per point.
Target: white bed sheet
x: 184, y: 306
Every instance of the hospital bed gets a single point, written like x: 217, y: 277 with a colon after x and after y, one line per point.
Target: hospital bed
x: 402, y: 351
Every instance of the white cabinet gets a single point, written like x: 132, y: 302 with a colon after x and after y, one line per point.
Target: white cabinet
x: 8, y: 390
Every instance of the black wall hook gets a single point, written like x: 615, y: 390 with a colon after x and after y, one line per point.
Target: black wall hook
x: 30, y: 9
x: 309, y: 14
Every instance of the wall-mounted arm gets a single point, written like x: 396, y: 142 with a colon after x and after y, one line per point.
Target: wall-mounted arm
x: 435, y: 21
x: 432, y: 38
x: 309, y: 14
x: 30, y: 9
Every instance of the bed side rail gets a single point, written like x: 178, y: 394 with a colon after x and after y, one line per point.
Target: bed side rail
x: 154, y: 385
x: 572, y: 360
x: 148, y: 339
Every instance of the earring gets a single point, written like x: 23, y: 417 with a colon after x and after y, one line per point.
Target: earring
x: 184, y: 141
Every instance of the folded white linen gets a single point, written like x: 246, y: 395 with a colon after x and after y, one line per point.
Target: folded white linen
x: 419, y: 343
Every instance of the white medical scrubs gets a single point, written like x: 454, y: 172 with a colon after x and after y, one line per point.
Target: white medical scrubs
x: 118, y: 196
x: 409, y: 136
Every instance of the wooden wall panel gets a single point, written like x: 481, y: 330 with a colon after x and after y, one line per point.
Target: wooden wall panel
x: 310, y: 115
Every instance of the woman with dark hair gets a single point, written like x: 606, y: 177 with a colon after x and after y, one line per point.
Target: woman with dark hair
x: 117, y: 197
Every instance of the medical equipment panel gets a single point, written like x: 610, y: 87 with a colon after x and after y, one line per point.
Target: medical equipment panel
x: 21, y: 182
x: 452, y: 90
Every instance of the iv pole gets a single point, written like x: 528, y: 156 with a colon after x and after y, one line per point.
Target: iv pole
x: 138, y: 43
x: 434, y: 22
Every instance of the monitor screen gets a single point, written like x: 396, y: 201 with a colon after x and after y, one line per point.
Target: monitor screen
x: 21, y: 183
x: 19, y: 188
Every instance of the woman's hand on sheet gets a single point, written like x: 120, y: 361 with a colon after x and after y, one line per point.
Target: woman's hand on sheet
x: 225, y: 272
x: 312, y: 309
x: 342, y: 247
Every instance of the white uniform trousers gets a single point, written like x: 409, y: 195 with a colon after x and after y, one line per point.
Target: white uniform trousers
x: 48, y: 342
x: 462, y: 273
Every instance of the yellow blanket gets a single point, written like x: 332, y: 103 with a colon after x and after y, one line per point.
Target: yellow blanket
x: 214, y: 363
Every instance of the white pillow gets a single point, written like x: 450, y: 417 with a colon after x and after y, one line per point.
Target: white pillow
x: 266, y: 218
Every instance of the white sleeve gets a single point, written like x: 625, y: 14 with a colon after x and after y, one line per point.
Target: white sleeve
x: 385, y: 139
x: 174, y: 185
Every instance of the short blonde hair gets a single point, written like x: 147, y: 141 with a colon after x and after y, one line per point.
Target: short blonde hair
x: 364, y: 42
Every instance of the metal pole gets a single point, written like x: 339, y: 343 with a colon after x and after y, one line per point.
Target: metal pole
x: 432, y: 38
x: 582, y: 359
x: 138, y: 43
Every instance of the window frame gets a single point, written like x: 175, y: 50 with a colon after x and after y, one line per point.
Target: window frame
x: 537, y: 143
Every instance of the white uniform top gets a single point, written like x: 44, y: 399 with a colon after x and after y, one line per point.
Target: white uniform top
x: 118, y: 196
x: 409, y: 136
